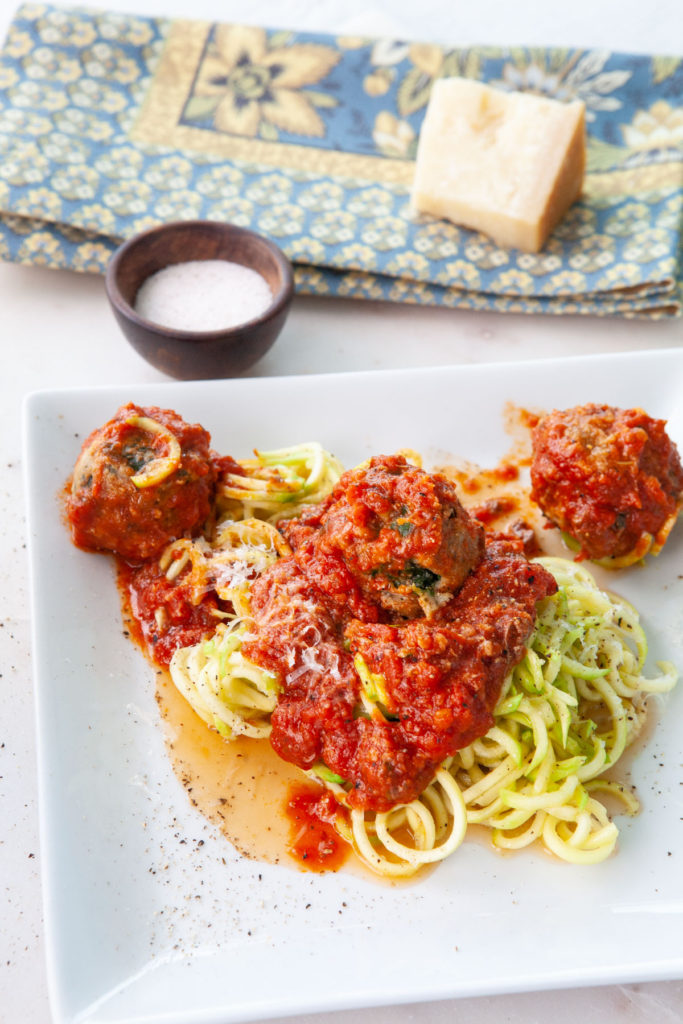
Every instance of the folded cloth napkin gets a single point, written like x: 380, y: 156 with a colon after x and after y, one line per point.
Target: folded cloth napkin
x: 112, y: 123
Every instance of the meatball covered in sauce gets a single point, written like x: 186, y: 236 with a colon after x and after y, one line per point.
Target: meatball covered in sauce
x: 401, y: 533
x: 611, y: 479
x: 143, y: 479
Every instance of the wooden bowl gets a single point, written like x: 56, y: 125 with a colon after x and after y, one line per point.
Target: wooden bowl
x: 195, y: 355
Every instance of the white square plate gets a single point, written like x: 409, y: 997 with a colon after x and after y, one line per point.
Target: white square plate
x: 150, y: 913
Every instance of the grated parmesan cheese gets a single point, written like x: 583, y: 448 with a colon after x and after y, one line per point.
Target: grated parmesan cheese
x: 203, y: 295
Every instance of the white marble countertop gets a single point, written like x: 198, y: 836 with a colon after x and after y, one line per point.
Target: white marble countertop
x: 58, y: 331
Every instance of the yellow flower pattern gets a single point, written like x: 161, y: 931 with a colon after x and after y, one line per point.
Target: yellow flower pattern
x: 659, y: 127
x: 392, y: 136
x: 252, y: 87
x: 378, y: 82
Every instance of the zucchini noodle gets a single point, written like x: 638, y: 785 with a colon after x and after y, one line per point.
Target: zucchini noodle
x: 399, y: 842
x: 274, y: 485
x: 566, y: 713
x: 239, y: 552
x: 227, y: 691
x: 162, y: 467
x: 277, y: 483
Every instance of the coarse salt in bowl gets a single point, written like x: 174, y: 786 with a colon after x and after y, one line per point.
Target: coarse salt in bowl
x: 200, y: 299
x: 203, y: 295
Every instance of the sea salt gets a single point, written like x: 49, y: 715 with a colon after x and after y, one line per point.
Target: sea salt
x: 203, y: 295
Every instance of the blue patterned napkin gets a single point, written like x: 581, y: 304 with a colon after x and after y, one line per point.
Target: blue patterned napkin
x: 112, y: 123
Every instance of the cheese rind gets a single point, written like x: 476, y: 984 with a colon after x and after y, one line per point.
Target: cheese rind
x: 507, y: 164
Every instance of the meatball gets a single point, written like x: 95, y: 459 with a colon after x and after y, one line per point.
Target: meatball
x: 402, y: 534
x: 610, y: 479
x: 143, y: 479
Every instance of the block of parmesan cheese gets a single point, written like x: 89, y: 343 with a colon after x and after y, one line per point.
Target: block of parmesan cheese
x: 509, y: 164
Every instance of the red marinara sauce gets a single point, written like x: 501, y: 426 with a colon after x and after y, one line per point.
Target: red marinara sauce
x: 506, y: 472
x: 163, y: 611
x: 440, y: 676
x: 314, y: 840
x: 389, y: 579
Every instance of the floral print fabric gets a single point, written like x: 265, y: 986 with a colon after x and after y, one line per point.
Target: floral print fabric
x: 110, y: 124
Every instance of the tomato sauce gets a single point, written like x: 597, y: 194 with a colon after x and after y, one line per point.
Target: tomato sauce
x: 440, y: 676
x: 314, y: 840
x: 390, y: 628
x: 506, y: 472
x: 163, y: 610
x: 493, y: 509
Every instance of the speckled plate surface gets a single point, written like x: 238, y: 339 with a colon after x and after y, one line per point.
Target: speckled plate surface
x: 152, y: 916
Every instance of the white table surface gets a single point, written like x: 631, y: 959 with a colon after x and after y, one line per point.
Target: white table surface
x: 57, y: 331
